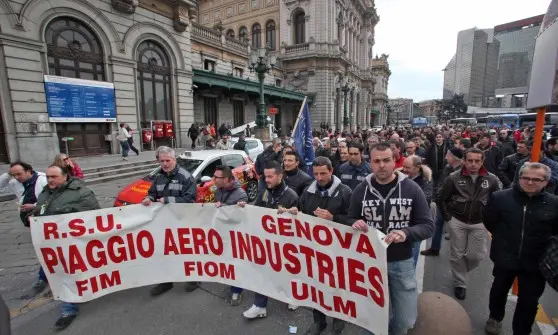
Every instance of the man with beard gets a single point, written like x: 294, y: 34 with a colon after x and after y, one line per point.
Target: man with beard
x: 378, y: 202
x: 329, y: 199
x: 295, y: 178
x: 276, y: 195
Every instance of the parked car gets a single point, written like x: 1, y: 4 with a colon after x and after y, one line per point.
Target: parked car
x: 201, y: 164
x: 254, y: 147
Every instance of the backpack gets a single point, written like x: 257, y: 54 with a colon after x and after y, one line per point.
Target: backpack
x: 549, y: 263
x: 205, y: 131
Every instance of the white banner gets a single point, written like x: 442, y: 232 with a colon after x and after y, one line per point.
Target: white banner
x: 300, y: 259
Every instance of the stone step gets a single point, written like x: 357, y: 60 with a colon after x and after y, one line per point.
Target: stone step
x: 124, y: 164
x: 138, y: 172
x: 120, y: 169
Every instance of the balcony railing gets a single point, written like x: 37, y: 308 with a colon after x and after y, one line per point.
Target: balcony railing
x: 205, y: 34
x: 291, y: 49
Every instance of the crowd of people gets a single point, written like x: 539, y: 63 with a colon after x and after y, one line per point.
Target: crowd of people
x: 407, y: 183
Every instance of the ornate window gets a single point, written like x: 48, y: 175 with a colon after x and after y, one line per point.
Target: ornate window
x: 299, y: 27
x: 256, y: 36
x: 340, y: 28
x: 154, y: 73
x: 270, y: 35
x: 230, y: 33
x: 242, y: 34
x: 73, y: 50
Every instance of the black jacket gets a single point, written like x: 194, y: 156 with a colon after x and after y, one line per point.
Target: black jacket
x: 424, y: 181
x: 265, y: 157
x: 297, y: 180
x: 448, y: 169
x: 240, y: 145
x: 464, y: 199
x: 507, y: 146
x: 177, y: 187
x: 521, y: 227
x: 404, y: 209
x: 432, y: 159
x: 281, y: 195
x: 508, y: 167
x: 336, y: 199
x: 352, y: 175
x: 492, y: 158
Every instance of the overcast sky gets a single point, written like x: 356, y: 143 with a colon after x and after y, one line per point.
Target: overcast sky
x: 420, y: 37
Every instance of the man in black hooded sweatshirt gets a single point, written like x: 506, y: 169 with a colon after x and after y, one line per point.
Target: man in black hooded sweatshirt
x: 395, y: 205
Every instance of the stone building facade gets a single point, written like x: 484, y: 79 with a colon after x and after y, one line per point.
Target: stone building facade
x: 322, y: 46
x: 143, y: 47
x: 381, y: 74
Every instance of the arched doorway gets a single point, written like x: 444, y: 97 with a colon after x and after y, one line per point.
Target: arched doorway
x: 154, y: 77
x: 74, y: 51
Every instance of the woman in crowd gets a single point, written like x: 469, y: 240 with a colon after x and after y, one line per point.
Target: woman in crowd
x: 62, y: 160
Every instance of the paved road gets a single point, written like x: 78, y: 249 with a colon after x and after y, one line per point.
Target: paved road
x: 204, y: 311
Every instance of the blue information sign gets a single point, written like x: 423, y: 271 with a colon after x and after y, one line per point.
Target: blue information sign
x: 78, y: 100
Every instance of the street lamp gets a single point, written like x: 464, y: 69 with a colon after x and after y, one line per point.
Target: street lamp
x: 261, y: 63
x: 345, y: 88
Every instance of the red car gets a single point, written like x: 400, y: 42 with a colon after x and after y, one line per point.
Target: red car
x: 201, y: 164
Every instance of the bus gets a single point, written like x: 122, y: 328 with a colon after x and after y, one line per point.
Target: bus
x: 529, y: 119
x: 500, y: 120
x: 510, y: 119
x: 482, y: 121
x: 468, y: 121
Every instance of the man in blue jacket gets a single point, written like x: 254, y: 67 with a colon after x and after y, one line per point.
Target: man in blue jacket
x: 394, y: 204
x: 353, y: 172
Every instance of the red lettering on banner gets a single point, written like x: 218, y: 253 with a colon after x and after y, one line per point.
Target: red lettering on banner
x: 303, y: 229
x: 145, y: 236
x: 245, y: 250
x: 101, y: 260
x: 355, y: 277
x: 309, y: 254
x: 105, y: 227
x: 375, y: 279
x: 326, y: 240
x: 77, y: 227
x: 289, y: 251
x: 303, y: 291
x: 345, y: 307
x: 258, y: 250
x: 50, y: 259
x: 62, y: 259
x: 75, y: 259
x: 170, y: 244
x: 344, y: 242
x: 284, y: 226
x: 210, y: 269
x: 340, y: 261
x: 364, y: 246
x: 103, y: 281
x: 274, y: 263
x: 50, y: 228
x: 265, y: 224
x: 325, y: 268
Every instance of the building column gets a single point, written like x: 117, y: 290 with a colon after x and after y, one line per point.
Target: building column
x: 185, y: 106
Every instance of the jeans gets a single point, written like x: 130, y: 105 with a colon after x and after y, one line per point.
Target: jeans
x: 438, y: 232
x: 42, y: 275
x: 235, y: 289
x: 69, y: 308
x: 416, y: 252
x: 260, y: 300
x: 125, y: 148
x: 403, y: 295
x: 531, y: 287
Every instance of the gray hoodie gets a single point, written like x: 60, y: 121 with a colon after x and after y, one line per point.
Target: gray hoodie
x: 405, y: 208
x: 232, y: 195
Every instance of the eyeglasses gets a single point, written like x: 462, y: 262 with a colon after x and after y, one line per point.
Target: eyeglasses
x: 66, y: 159
x: 216, y: 177
x: 533, y: 180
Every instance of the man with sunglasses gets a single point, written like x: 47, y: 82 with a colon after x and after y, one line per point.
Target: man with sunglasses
x: 522, y: 220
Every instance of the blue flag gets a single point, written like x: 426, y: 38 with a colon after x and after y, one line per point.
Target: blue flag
x: 303, y: 139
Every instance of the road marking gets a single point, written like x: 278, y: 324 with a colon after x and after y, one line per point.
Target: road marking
x: 31, y: 305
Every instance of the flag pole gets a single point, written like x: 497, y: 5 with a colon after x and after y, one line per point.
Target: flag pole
x: 299, y: 112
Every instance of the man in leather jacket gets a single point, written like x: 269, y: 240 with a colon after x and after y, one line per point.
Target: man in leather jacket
x: 463, y: 198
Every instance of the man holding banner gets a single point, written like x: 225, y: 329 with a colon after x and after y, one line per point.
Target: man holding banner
x: 326, y: 198
x: 62, y: 195
x: 172, y: 184
x: 277, y: 195
x: 395, y: 205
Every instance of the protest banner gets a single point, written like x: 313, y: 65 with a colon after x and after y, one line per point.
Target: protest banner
x: 299, y: 259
